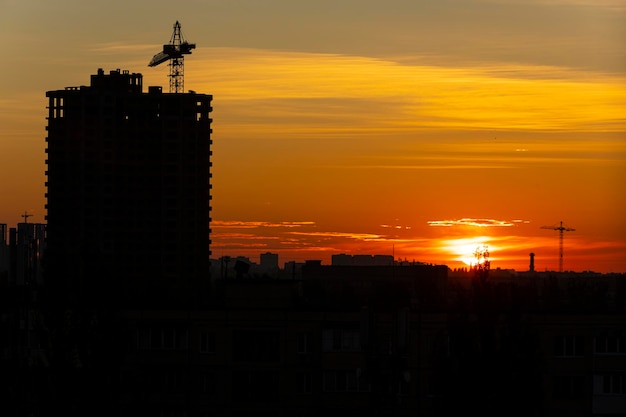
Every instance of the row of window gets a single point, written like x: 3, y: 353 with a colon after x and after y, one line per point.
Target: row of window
x: 615, y: 345
x: 261, y: 385
x: 574, y: 346
x: 258, y: 386
x: 345, y: 381
x: 614, y: 384
x: 260, y: 345
x: 341, y: 340
x: 569, y: 346
x: 164, y: 338
x: 575, y: 386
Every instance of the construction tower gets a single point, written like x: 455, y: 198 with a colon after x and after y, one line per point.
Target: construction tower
x: 175, y: 52
x: 561, y: 229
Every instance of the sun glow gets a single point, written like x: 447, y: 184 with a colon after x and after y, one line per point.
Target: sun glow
x: 464, y: 249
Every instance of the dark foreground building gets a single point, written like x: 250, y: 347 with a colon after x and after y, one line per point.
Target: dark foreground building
x: 128, y: 193
x: 385, y: 341
x: 128, y: 217
x: 349, y: 341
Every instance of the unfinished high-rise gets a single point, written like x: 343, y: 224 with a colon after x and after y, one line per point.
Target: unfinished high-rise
x: 128, y: 193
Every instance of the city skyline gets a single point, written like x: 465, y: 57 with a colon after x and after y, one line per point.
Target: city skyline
x: 415, y: 129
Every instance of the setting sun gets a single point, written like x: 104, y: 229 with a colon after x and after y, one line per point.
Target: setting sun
x: 464, y: 249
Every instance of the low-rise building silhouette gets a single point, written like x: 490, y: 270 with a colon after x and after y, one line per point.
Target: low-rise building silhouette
x: 362, y: 260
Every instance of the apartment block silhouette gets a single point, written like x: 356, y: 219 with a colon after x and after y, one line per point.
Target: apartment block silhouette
x: 128, y: 193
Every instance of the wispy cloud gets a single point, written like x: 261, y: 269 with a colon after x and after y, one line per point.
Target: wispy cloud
x: 473, y: 222
x: 397, y: 227
x: 237, y: 224
x: 367, y: 237
x: 239, y: 246
x: 433, y: 167
x: 311, y: 93
x: 117, y: 47
x: 242, y: 236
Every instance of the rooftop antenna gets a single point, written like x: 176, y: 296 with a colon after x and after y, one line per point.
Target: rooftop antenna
x: 26, y: 216
x: 561, y: 229
x: 175, y: 52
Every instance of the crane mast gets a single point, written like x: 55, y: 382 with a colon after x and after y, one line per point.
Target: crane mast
x: 175, y: 52
x: 561, y: 229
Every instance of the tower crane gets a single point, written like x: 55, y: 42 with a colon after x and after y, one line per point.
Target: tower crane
x: 561, y: 229
x: 175, y: 52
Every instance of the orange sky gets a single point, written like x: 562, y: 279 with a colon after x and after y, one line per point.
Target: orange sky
x: 423, y: 130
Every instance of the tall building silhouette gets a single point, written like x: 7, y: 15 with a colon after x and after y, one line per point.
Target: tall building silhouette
x: 128, y: 193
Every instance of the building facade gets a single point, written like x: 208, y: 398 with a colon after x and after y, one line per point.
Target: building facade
x: 128, y: 192
x: 384, y: 341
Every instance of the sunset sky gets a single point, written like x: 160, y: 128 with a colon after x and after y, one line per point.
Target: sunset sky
x: 423, y: 129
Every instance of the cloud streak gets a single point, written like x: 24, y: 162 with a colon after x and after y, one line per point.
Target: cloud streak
x: 311, y: 92
x: 366, y: 237
x: 238, y: 224
x: 473, y: 222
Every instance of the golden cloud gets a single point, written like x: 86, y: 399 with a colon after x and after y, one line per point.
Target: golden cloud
x: 472, y: 222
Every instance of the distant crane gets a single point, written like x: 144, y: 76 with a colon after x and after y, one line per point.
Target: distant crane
x: 174, y: 52
x: 561, y: 229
